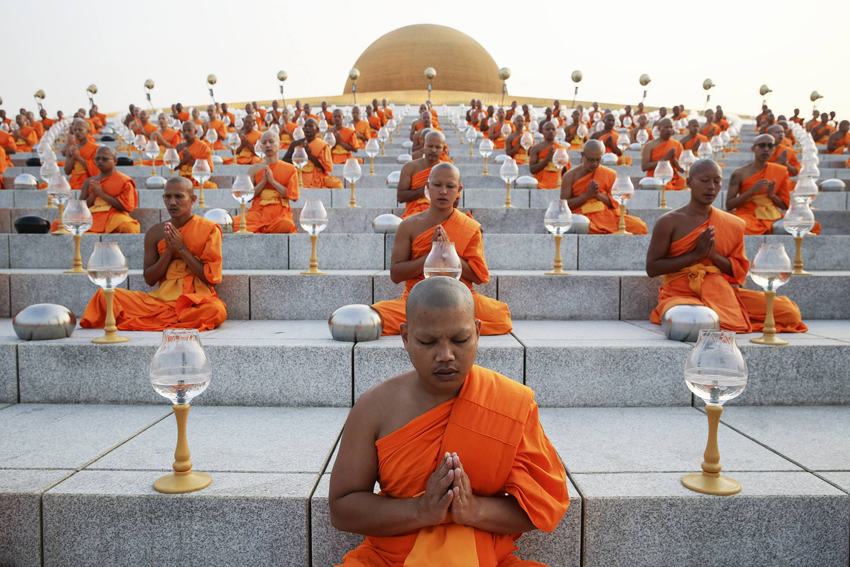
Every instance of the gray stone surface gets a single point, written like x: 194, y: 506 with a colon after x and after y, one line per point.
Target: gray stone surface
x: 48, y: 250
x: 819, y: 252
x: 68, y: 436
x: 373, y: 198
x: 255, y: 251
x: 581, y: 296
x: 258, y: 516
x: 4, y: 246
x: 233, y: 290
x: 328, y: 544
x: 789, y: 518
x: 495, y: 197
x: 9, y: 369
x: 20, y: 514
x: 638, y: 296
x: 323, y: 194
x: 509, y: 221
x: 821, y: 296
x: 74, y: 291
x: 608, y: 252
x: 344, y: 220
x: 528, y: 251
x: 289, y: 295
x: 384, y: 289
x: 338, y: 251
x: 132, y: 246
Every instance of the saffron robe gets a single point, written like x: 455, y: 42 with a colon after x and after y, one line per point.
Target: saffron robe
x: 318, y: 177
x: 466, y: 234
x: 703, y: 143
x: 791, y: 156
x: 199, y: 150
x: 286, y: 135
x: 739, y: 310
x: 270, y: 211
x: 25, y: 146
x: 361, y: 127
x: 759, y: 213
x: 180, y: 300
x: 85, y: 169
x: 494, y: 426
x: 521, y: 156
x: 821, y: 135
x: 221, y: 129
x: 623, y: 159
x: 499, y: 143
x: 107, y: 219
x: 604, y: 219
x: 422, y: 203
x: 550, y: 176
x: 841, y: 144
x: 248, y: 157
x: 678, y: 182
x: 171, y: 136
x: 3, y: 166
x: 710, y: 130
x: 340, y: 154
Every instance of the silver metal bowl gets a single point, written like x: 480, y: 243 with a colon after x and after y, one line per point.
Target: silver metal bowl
x: 217, y: 159
x: 356, y: 323
x: 684, y: 322
x: 650, y: 183
x: 155, y: 182
x: 222, y: 217
x: 634, y: 147
x: 404, y: 158
x: 386, y: 223
x: 581, y: 224
x: 500, y: 158
x: 609, y: 159
x: 778, y: 227
x: 407, y: 145
x: 832, y: 185
x: 44, y: 322
x: 392, y: 179
x: 526, y: 182
x: 26, y: 181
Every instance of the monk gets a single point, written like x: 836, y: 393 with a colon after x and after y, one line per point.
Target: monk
x: 275, y: 186
x: 346, y: 139
x: 37, y: 126
x: 7, y: 142
x: 307, y: 113
x: 693, y: 140
x: 388, y: 112
x: 183, y: 259
x: 511, y: 113
x: 587, y: 189
x: 814, y: 121
x: 376, y: 110
x: 720, y: 120
x: 196, y: 116
x: 227, y: 115
x: 415, y: 173
x: 513, y: 143
x: 766, y: 123
x: 361, y: 128
x: 182, y: 115
x: 710, y: 129
x: 547, y: 174
x: 146, y: 128
x: 110, y: 196
x: 761, y: 116
x: 219, y: 126
x: 495, y: 131
x: 759, y: 192
x: 839, y: 139
x: 327, y: 114
x: 46, y: 122
x: 79, y: 155
x: 167, y: 138
x: 248, y: 137
x: 783, y: 154
x: 796, y: 117
x: 642, y: 121
x: 25, y: 136
x: 441, y: 222
x: 287, y: 128
x: 191, y: 149
x: 462, y: 460
x: 821, y: 132
x: 374, y: 122
x: 700, y: 252
x: 317, y: 173
x: 627, y: 114
x: 95, y: 119
x: 4, y: 119
x: 571, y: 132
x: 422, y: 121
x: 664, y: 148
x: 96, y: 113
x: 609, y: 138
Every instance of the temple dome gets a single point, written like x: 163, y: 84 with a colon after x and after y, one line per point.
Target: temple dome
x: 397, y: 61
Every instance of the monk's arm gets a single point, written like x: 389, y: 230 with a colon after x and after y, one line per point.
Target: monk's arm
x: 245, y: 145
x: 656, y: 262
x: 535, y: 165
x: 500, y: 515
x: 85, y: 194
x: 734, y: 200
x: 402, y: 268
x: 832, y: 142
x: 195, y: 265
x: 155, y: 265
x: 567, y: 192
x: 510, y: 149
x: 252, y: 172
x: 646, y: 163
x: 403, y: 192
x: 494, y: 134
x: 344, y: 145
x: 413, y: 129
x: 722, y: 263
x: 112, y: 202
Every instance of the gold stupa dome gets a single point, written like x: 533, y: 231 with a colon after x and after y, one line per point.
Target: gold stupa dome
x: 396, y: 62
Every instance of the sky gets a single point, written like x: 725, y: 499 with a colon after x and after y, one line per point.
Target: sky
x: 177, y: 43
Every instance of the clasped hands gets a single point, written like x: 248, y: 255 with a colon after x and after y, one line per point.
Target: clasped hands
x: 449, y: 490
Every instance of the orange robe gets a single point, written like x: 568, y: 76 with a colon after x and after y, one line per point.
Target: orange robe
x: 466, y: 234
x: 171, y: 136
x: 232, y: 127
x: 521, y: 156
x: 739, y: 310
x: 328, y: 116
x: 839, y: 147
x: 822, y: 135
x: 374, y: 125
x: 221, y: 129
x: 388, y: 112
x: 678, y: 182
x: 340, y: 154
x: 759, y: 213
x: 39, y: 130
x: 604, y: 219
x: 286, y: 135
x: 107, y: 219
x: 25, y: 147
x: 181, y: 300
x: 361, y: 127
x: 199, y: 150
x: 550, y: 176
x: 703, y: 143
x: 149, y: 128
x: 248, y: 157
x: 183, y: 116
x: 3, y: 166
x: 83, y: 171
x: 318, y: 177
x: 417, y: 182
x: 792, y: 157
x: 710, y: 130
x: 623, y: 159
x: 47, y: 123
x: 7, y: 141
x: 499, y: 143
x: 494, y: 426
x: 270, y: 211
x: 571, y: 132
x: 723, y: 124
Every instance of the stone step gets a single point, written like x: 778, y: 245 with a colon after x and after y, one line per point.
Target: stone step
x: 296, y: 363
x: 68, y: 479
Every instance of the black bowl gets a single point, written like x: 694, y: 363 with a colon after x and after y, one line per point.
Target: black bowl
x: 33, y: 162
x: 124, y: 161
x: 32, y: 224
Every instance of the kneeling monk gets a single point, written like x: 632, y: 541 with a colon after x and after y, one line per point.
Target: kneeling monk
x: 547, y: 174
x: 191, y: 149
x: 700, y: 252
x: 461, y: 457
x: 441, y: 221
x: 275, y: 186
x: 415, y: 173
x: 109, y: 196
x: 587, y: 190
x: 317, y: 172
x: 183, y: 257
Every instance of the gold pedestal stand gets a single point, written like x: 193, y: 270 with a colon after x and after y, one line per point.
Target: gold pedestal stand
x: 371, y: 165
x: 352, y: 204
x: 183, y: 479
x: 508, y: 198
x: 111, y: 335
x: 710, y: 481
x: 314, y: 259
x: 61, y: 228
x: 485, y: 166
x: 78, y: 259
x: 769, y: 336
x: 243, y: 225
x: 663, y: 206
x: 201, y: 196
x: 556, y: 269
x: 798, y: 259
x: 621, y: 229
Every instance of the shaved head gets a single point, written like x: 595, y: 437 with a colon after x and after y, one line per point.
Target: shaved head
x: 706, y: 165
x: 444, y: 166
x: 440, y: 292
x: 664, y: 122
x: 776, y: 128
x: 594, y: 146
x: 180, y: 183
x: 766, y: 138
x: 436, y: 134
x: 107, y: 151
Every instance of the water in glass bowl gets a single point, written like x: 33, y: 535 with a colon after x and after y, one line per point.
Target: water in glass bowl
x: 180, y: 388
x: 715, y: 385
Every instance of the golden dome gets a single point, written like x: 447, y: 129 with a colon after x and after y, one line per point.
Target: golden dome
x: 397, y: 61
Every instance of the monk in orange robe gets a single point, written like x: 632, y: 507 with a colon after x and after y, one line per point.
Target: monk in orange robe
x: 571, y: 132
x: 610, y: 138
x: 7, y: 144
x: 415, y: 173
x: 823, y: 130
x: 324, y: 113
x: 228, y: 118
x: 4, y: 159
x: 374, y: 122
x: 167, y: 138
x: 307, y: 113
x: 547, y: 174
x: 248, y: 136
x: 441, y: 221
x: 513, y: 143
x: 759, y: 192
x: 286, y: 128
x: 783, y: 153
x: 360, y: 127
x: 183, y: 257
x: 839, y: 140
x: 275, y: 186
x: 182, y: 115
x: 441, y: 439
x: 45, y: 121
x: 700, y: 252
x: 423, y: 122
x: 495, y: 131
x: 346, y: 139
x: 37, y: 126
x: 693, y: 140
x: 664, y: 148
x: 388, y: 112
x: 79, y: 154
x: 218, y: 125
x: 191, y: 149
x: 317, y: 172
x: 110, y: 196
x: 587, y: 190
x: 25, y: 136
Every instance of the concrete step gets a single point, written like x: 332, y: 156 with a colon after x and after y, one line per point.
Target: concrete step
x: 69, y: 480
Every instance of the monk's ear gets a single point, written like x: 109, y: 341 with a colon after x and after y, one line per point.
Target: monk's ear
x: 194, y: 197
x: 403, y: 332
x: 478, y: 328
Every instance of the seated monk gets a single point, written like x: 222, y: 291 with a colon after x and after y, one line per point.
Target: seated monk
x: 324, y: 113
x: 838, y: 140
x: 609, y: 138
x: 377, y: 111
x: 196, y: 116
x: 346, y: 139
x: 110, y: 196
x: 181, y: 115
x: 388, y: 112
x: 495, y: 130
x: 275, y: 186
x: 587, y: 190
x: 260, y: 113
x: 513, y: 143
x: 796, y: 117
x: 25, y: 136
x: 571, y: 132
x: 79, y: 154
x: 307, y: 113
x: 642, y: 121
x: 766, y: 123
x: 700, y: 252
x: 693, y: 140
x: 443, y: 440
x: 361, y: 127
x: 183, y: 259
x: 37, y: 126
x: 374, y: 122
x: 664, y: 148
x: 218, y: 125
x: 248, y: 137
x: 821, y: 132
x: 287, y: 128
x: 415, y: 174
x: 710, y: 129
x: 547, y: 174
x: 759, y: 192
x: 167, y: 138
x: 147, y: 128
x: 423, y: 122
x: 191, y: 149
x: 228, y: 118
x: 317, y: 173
x: 7, y: 147
x: 46, y: 122
x: 814, y: 121
x: 783, y: 154
x: 441, y: 221
x: 512, y: 112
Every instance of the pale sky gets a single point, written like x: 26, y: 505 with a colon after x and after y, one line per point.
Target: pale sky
x: 62, y: 47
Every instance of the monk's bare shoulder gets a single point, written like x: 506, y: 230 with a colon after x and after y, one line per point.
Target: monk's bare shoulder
x: 382, y: 409
x: 413, y: 167
x: 256, y: 168
x: 573, y: 174
x: 155, y: 234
